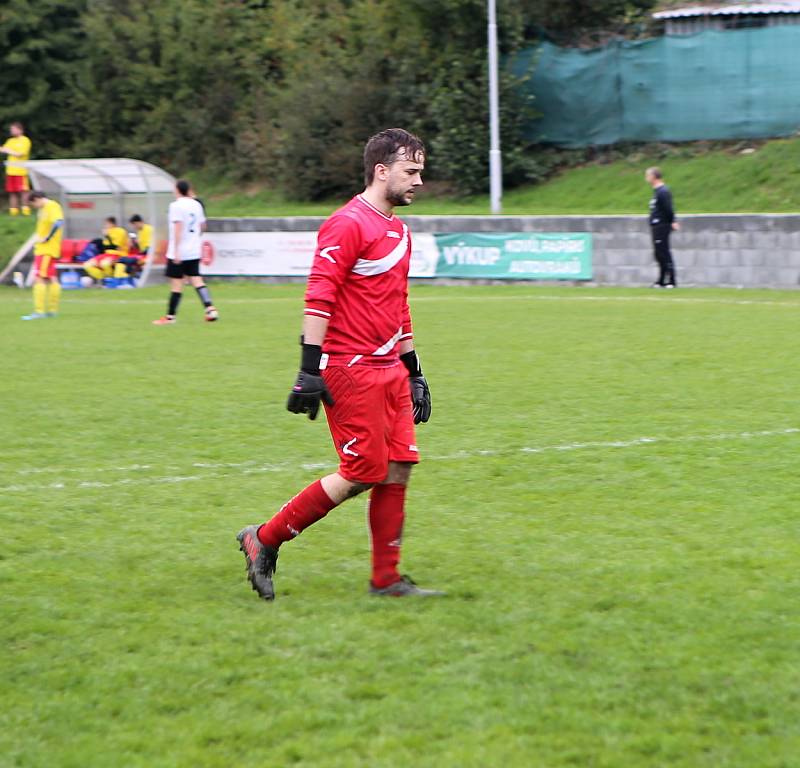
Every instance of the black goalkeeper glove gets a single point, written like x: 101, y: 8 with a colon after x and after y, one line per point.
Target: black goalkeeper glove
x: 420, y: 393
x: 310, y: 388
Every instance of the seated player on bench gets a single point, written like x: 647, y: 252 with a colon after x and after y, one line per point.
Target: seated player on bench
x: 141, y: 239
x: 115, y: 244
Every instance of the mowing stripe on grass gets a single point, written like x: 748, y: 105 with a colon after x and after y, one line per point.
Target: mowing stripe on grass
x: 252, y: 467
x: 661, y: 298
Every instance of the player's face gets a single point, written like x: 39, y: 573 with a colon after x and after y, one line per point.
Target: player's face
x: 15, y: 130
x: 38, y: 202
x: 404, y: 177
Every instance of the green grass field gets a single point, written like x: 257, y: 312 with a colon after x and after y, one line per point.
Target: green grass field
x: 608, y: 493
x: 714, y: 181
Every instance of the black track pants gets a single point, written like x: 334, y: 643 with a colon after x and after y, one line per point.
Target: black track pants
x: 663, y: 255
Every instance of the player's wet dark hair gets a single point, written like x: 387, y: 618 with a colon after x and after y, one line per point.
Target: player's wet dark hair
x: 136, y: 217
x: 183, y: 186
x: 112, y: 220
x: 36, y: 194
x: 384, y: 147
x: 18, y: 124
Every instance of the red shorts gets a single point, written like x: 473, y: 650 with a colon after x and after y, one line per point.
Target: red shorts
x: 16, y: 183
x: 45, y: 266
x: 372, y: 422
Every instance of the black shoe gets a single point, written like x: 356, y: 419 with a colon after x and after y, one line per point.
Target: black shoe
x: 405, y: 587
x: 260, y: 561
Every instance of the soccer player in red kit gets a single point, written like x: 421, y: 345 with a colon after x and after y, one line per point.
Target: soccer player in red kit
x: 358, y: 359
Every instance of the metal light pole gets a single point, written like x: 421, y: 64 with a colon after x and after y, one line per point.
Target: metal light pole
x: 495, y: 157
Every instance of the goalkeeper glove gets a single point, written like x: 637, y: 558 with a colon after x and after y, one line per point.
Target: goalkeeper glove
x: 310, y: 388
x: 420, y: 393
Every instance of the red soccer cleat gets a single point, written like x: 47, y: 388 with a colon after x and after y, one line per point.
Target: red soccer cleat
x: 166, y: 320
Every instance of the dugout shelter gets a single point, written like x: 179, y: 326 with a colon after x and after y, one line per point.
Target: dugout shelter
x: 91, y: 189
x: 721, y: 17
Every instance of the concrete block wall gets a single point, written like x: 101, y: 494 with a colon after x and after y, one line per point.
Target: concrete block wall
x: 748, y: 250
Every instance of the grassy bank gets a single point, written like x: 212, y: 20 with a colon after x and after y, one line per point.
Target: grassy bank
x: 723, y: 180
x: 765, y: 180
x: 13, y: 233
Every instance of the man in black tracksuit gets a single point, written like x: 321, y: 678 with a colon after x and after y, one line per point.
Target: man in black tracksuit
x: 662, y: 222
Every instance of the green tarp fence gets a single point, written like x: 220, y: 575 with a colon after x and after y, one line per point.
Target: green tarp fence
x: 714, y: 85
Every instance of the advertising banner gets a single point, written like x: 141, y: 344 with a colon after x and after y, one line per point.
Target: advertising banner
x: 521, y: 256
x: 259, y: 254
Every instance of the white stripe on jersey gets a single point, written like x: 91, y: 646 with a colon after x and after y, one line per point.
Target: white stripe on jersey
x: 386, y: 348
x: 372, y: 267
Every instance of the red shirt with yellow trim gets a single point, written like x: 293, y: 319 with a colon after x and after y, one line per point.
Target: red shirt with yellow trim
x: 359, y: 282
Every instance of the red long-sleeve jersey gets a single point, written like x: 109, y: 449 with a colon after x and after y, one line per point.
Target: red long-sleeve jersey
x: 359, y: 281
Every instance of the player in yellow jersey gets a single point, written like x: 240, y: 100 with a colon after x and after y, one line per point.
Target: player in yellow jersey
x: 115, y: 238
x: 144, y: 234
x: 46, y: 252
x: 141, y: 239
x: 115, y: 245
x: 18, y: 151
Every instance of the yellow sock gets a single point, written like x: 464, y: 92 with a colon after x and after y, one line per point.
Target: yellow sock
x: 14, y: 211
x: 26, y: 211
x: 120, y: 270
x: 107, y: 265
x: 39, y: 293
x: 95, y: 272
x: 54, y: 296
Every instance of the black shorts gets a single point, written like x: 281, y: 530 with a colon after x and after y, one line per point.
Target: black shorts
x: 189, y: 268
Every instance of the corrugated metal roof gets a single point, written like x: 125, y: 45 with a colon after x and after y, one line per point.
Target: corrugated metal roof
x: 789, y: 6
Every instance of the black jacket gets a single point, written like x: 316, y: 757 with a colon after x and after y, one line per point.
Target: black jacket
x: 661, y: 211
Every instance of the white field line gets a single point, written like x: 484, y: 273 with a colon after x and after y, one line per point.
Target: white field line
x: 661, y: 299
x: 252, y: 468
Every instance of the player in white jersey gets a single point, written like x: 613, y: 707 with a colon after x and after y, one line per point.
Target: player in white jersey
x: 187, y: 222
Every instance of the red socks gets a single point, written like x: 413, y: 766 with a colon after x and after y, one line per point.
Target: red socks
x: 386, y: 515
x: 296, y: 515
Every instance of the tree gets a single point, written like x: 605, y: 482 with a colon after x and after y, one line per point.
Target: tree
x: 36, y: 61
x: 568, y: 19
x: 162, y: 80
